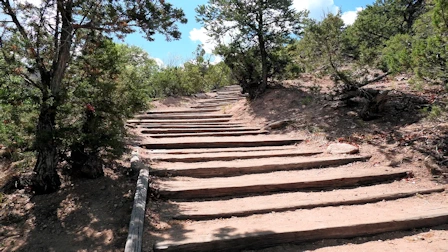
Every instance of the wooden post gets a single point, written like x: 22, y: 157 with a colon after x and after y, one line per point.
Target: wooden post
x: 134, y: 240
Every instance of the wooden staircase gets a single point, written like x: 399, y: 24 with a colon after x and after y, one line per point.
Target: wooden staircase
x: 232, y: 187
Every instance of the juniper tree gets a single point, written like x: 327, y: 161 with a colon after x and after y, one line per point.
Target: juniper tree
x: 42, y: 39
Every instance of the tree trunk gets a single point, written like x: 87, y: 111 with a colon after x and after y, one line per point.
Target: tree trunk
x: 86, y: 165
x: 264, y: 55
x: 46, y: 179
x: 264, y: 68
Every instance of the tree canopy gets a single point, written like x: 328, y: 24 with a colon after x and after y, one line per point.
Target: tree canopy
x: 250, y: 29
x: 41, y: 41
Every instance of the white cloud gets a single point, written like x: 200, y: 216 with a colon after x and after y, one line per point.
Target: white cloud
x: 349, y: 17
x: 201, y: 35
x: 317, y: 8
x: 216, y: 60
x: 159, y: 62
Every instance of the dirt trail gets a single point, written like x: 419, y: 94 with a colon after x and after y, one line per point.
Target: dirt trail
x: 234, y: 192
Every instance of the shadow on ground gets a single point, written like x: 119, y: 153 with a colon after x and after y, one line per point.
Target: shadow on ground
x: 401, y: 124
x: 85, y: 215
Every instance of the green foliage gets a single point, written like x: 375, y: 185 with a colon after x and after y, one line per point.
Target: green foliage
x: 105, y: 88
x: 193, y: 77
x: 425, y: 50
x: 18, y: 107
x: 258, y: 29
x: 46, y: 38
x: 380, y: 22
x: 397, y: 53
x: 323, y: 50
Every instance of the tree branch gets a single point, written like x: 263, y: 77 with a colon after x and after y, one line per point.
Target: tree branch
x: 30, y: 49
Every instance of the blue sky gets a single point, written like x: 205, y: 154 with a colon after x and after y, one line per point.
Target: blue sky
x: 177, y: 52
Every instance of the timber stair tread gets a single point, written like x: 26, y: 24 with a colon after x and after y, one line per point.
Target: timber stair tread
x: 200, y: 134
x: 261, y: 230
x: 223, y: 150
x: 183, y: 116
x: 182, y: 111
x: 254, y: 165
x: 194, y: 188
x: 192, y: 126
x: 177, y: 121
x: 195, y: 130
x: 218, y: 142
x: 227, y: 156
x: 222, y: 99
x: 211, y: 105
x: 240, y: 207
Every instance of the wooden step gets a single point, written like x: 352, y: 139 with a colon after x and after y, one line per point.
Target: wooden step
x: 231, y: 94
x: 160, y: 130
x: 218, y: 150
x: 192, y: 121
x: 182, y: 111
x: 182, y: 116
x: 259, y: 231
x: 240, y: 207
x: 217, y: 100
x: 204, y: 134
x: 218, y: 142
x: 222, y: 125
x: 193, y: 188
x: 226, y: 156
x: 215, y: 104
x: 211, y: 105
x: 248, y: 166
x: 232, y: 87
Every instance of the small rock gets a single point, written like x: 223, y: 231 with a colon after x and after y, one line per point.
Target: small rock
x: 395, y: 162
x: 352, y: 113
x: 342, y: 148
x: 432, y: 166
x: 28, y: 206
x: 278, y: 125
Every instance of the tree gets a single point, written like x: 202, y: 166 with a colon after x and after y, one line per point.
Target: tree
x: 256, y: 27
x: 43, y: 40
x: 112, y: 84
x: 424, y: 51
x: 378, y: 23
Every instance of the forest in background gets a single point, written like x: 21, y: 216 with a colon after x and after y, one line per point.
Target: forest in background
x: 65, y: 96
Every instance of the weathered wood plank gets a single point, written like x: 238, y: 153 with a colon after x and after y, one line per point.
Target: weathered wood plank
x: 182, y: 116
x: 160, y: 130
x: 191, y: 126
x: 194, y: 188
x: 241, y: 207
x: 211, y: 105
x: 135, y: 233
x: 237, y: 167
x: 265, y: 230
x: 192, y: 121
x: 227, y: 156
x: 217, y: 142
x: 181, y: 111
x: 218, y: 150
x: 207, y: 134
